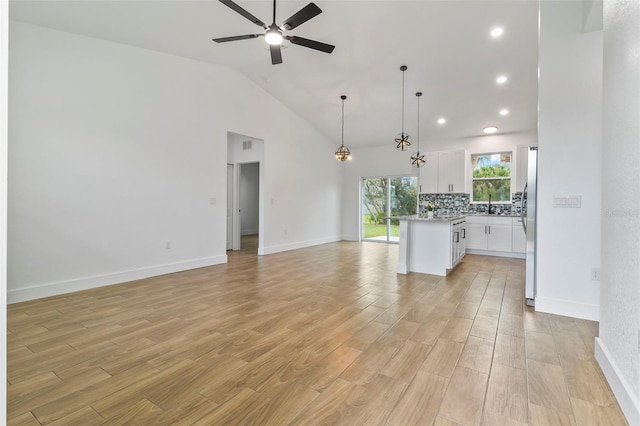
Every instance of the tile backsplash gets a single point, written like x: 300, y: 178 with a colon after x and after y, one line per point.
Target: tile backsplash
x: 459, y: 203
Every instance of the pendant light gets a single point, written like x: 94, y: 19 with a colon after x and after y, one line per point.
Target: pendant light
x: 402, y: 140
x: 417, y: 159
x: 343, y: 153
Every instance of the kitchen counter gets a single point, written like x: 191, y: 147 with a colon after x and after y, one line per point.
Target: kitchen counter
x: 447, y: 218
x: 431, y: 245
x: 493, y: 214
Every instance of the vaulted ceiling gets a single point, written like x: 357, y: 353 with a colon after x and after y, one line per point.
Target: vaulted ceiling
x: 446, y: 45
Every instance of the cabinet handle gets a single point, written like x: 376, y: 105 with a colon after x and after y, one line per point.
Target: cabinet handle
x: 457, y: 237
x: 464, y: 233
x: 489, y: 229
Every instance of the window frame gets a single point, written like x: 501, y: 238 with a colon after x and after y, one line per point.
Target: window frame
x: 509, y: 178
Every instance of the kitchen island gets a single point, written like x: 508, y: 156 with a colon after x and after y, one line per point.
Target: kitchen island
x: 431, y: 245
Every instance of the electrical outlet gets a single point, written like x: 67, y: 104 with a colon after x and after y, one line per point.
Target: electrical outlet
x: 595, y: 274
x: 212, y: 201
x: 167, y: 245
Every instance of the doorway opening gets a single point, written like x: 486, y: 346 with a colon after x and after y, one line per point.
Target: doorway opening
x: 383, y: 198
x: 245, y: 200
x: 249, y: 197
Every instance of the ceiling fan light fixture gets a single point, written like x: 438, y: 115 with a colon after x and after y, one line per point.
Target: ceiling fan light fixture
x: 273, y: 37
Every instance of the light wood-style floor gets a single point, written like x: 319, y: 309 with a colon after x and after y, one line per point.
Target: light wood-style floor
x: 323, y: 335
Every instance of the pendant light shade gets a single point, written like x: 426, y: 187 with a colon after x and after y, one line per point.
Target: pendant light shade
x: 343, y: 153
x: 417, y: 159
x: 402, y: 140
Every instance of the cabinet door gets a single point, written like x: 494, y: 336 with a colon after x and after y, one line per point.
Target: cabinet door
x: 519, y: 239
x: 523, y: 169
x: 429, y: 174
x: 499, y: 237
x: 457, y: 171
x: 476, y: 236
x: 444, y: 169
x: 463, y: 241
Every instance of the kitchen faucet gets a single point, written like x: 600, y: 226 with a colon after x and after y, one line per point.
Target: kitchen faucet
x: 489, y: 203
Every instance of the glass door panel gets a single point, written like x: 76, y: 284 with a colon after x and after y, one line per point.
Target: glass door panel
x: 403, y: 196
x: 384, y: 197
x: 375, y: 209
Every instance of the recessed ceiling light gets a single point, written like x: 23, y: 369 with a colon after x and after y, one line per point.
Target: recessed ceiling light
x: 442, y: 120
x: 504, y: 111
x: 490, y: 129
x: 501, y: 79
x: 497, y: 32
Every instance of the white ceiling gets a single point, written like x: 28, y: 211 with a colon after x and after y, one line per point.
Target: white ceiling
x: 446, y: 45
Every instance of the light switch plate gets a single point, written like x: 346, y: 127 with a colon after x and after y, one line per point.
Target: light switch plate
x: 567, y: 202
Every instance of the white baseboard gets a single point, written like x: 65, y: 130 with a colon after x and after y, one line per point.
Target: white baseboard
x: 496, y: 253
x: 85, y: 283
x: 249, y: 232
x: 568, y: 308
x: 297, y: 245
x: 627, y: 400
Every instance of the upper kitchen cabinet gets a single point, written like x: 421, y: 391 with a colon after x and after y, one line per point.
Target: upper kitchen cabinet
x: 444, y: 171
x: 522, y: 167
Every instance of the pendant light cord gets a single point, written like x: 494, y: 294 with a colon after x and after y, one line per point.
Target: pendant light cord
x: 418, y: 95
x: 402, y: 126
x: 342, y: 122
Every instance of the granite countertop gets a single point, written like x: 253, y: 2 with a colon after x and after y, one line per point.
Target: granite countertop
x: 493, y: 214
x: 425, y: 218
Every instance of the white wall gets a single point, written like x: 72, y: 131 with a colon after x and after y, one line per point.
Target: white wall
x: 249, y: 197
x: 618, y: 346
x: 387, y: 161
x: 115, y: 151
x: 569, y: 161
x: 4, y: 37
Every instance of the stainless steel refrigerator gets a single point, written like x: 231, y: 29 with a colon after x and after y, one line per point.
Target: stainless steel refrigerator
x: 529, y: 224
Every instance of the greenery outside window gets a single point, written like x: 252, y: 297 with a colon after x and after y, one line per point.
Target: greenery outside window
x: 385, y: 197
x: 491, y: 177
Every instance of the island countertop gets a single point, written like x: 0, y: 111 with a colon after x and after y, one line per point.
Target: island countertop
x: 420, y: 217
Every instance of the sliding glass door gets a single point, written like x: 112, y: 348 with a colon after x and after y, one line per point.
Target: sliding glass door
x: 382, y: 198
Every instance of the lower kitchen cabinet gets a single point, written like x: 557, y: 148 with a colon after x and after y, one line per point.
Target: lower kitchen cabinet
x: 492, y: 235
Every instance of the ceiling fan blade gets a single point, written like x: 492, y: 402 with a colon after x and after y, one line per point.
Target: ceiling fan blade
x: 312, y: 44
x: 243, y: 12
x: 276, y: 54
x: 234, y: 38
x: 302, y: 16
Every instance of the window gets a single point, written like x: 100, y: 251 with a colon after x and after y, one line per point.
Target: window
x: 491, y: 177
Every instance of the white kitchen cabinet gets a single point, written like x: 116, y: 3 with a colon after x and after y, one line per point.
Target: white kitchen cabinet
x: 458, y: 241
x: 522, y: 165
x: 493, y: 234
x: 519, y: 240
x: 499, y: 234
x: 429, y: 174
x: 444, y: 171
x: 476, y: 234
x: 430, y: 246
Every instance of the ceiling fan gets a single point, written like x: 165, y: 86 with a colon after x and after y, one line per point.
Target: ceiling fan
x: 274, y: 34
